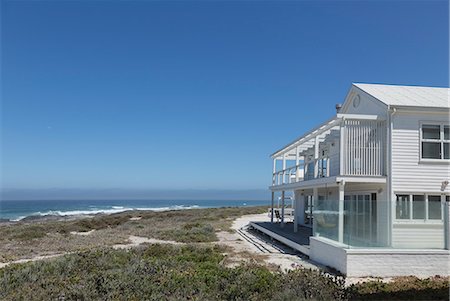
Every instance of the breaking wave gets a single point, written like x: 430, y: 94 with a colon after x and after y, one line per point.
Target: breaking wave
x: 111, y: 210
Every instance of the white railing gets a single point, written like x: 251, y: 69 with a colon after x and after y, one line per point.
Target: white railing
x: 302, y: 172
x: 364, y: 148
x: 362, y: 153
x: 289, y: 175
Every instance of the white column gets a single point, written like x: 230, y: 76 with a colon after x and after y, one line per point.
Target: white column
x: 297, y: 162
x: 284, y: 167
x: 315, y: 200
x: 274, y: 169
x: 446, y: 218
x: 342, y: 149
x: 282, y: 209
x: 271, y: 211
x: 316, y: 157
x: 328, y: 166
x: 341, y: 212
x: 294, y: 205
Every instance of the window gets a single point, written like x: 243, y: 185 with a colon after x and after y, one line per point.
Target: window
x: 402, y: 207
x: 434, y: 207
x: 418, y: 207
x: 435, y: 141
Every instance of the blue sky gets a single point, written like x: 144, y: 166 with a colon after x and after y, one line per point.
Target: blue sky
x: 193, y: 94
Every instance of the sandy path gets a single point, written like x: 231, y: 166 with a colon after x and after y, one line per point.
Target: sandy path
x: 242, y: 240
x: 4, y: 264
x: 137, y: 240
x: 82, y: 233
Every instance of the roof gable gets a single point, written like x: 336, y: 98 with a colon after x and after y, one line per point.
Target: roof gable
x: 408, y: 96
x: 367, y: 104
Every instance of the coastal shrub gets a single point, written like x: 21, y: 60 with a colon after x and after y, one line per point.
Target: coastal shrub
x: 402, y: 288
x: 307, y: 284
x: 155, y: 272
x: 190, y: 272
x: 196, y: 232
x: 168, y: 272
x: 100, y: 222
x: 29, y: 233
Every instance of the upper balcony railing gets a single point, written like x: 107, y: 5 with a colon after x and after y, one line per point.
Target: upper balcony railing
x: 363, y: 149
x: 302, y: 172
x: 358, y: 150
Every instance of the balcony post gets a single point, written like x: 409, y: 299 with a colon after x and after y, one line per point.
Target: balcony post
x: 274, y: 169
x: 316, y: 157
x: 341, y: 149
x: 271, y: 211
x: 284, y: 168
x: 282, y: 209
x: 315, y: 199
x: 341, y: 212
x: 328, y: 166
x: 297, y: 162
x: 294, y: 203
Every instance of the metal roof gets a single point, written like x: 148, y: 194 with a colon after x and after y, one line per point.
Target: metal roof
x: 408, y: 96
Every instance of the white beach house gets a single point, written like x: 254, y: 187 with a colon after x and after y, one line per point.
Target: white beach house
x: 370, y: 185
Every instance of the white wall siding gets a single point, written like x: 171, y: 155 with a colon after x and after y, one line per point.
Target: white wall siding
x: 411, y: 175
x: 368, y: 104
x: 408, y: 173
x: 426, y: 236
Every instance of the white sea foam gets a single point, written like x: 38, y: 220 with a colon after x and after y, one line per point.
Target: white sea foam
x: 174, y: 207
x: 19, y: 218
x: 113, y: 209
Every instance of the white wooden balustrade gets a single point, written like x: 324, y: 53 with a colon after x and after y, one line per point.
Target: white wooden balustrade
x: 361, y: 152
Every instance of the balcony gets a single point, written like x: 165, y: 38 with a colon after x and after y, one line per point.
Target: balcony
x: 347, y: 145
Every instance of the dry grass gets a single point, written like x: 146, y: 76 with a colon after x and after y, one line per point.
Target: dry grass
x: 29, y: 239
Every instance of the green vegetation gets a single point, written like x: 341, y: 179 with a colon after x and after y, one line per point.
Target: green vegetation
x: 190, y: 272
x: 160, y: 272
x: 403, y: 288
x: 27, y: 239
x: 199, y: 271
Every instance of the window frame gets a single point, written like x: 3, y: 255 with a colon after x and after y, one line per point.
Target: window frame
x: 411, y: 208
x: 407, y: 201
x: 441, y: 141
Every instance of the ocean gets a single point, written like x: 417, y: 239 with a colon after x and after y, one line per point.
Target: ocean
x: 17, y: 210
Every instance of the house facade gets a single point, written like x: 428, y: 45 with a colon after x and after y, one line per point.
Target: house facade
x: 373, y: 183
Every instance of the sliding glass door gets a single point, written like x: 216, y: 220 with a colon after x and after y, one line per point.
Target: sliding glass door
x: 360, y: 227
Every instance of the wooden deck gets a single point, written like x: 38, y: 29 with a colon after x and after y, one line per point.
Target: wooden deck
x: 297, y: 240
